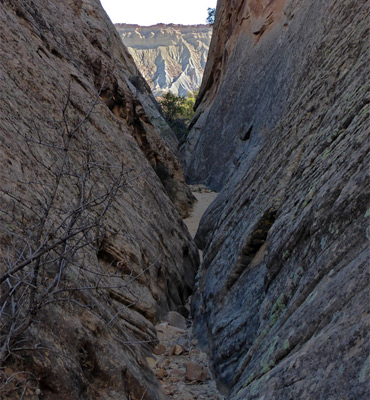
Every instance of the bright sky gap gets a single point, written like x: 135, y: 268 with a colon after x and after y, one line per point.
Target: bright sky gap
x: 150, y: 12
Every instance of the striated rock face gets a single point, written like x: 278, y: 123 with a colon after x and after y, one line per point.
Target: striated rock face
x: 282, y: 127
x: 170, y: 57
x: 97, y: 252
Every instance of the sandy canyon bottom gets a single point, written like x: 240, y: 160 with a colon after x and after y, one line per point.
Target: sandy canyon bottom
x: 181, y: 367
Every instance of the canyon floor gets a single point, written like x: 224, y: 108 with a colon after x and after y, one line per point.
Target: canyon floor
x: 204, y: 198
x: 181, y: 367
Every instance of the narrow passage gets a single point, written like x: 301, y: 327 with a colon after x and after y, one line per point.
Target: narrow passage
x: 180, y: 366
x: 205, y: 197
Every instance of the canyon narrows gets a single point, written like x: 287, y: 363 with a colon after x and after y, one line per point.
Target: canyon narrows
x: 97, y: 265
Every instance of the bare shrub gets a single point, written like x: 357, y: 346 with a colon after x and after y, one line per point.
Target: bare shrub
x: 52, y: 224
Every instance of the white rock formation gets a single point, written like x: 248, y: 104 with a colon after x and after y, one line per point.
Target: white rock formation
x: 171, y: 57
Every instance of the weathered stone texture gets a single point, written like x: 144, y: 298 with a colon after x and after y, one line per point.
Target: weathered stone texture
x: 282, y: 126
x: 90, y: 345
x: 170, y: 57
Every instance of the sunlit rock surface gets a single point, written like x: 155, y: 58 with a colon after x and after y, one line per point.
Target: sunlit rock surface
x: 170, y: 57
x: 282, y: 127
x: 90, y: 339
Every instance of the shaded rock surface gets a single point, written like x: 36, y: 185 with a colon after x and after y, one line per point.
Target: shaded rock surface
x: 91, y: 338
x: 170, y: 57
x: 282, y: 127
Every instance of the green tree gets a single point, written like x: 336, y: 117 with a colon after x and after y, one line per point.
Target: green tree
x: 211, y: 16
x: 178, y: 111
x: 172, y: 106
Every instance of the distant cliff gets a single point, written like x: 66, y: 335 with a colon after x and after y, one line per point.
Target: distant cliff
x: 171, y: 57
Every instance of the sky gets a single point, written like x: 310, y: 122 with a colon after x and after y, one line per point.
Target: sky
x: 151, y: 12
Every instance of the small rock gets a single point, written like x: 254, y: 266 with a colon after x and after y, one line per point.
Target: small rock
x: 196, y: 372
x: 161, y: 327
x: 169, y: 390
x: 202, y: 358
x: 194, y: 342
x: 177, y: 350
x: 167, y: 332
x: 174, y: 379
x: 186, y: 396
x: 177, y: 320
x: 183, y: 342
x: 151, y: 362
x: 159, y: 350
x: 160, y: 373
x: 178, y: 373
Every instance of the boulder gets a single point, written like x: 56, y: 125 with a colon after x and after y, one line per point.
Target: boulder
x: 196, y: 372
x: 177, y: 320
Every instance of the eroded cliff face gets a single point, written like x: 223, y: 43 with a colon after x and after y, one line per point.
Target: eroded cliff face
x: 282, y: 127
x: 170, y: 57
x: 96, y: 252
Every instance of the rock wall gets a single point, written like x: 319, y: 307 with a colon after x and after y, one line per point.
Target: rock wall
x: 282, y: 128
x: 170, y: 57
x: 79, y: 149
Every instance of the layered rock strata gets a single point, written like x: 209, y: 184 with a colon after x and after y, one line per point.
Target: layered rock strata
x: 282, y: 127
x: 170, y: 57
x: 95, y: 250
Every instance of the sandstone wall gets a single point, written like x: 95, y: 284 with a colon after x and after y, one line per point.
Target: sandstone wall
x: 90, y: 337
x: 282, y: 127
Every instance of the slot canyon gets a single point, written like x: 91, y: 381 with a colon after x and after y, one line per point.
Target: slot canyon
x: 104, y: 292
